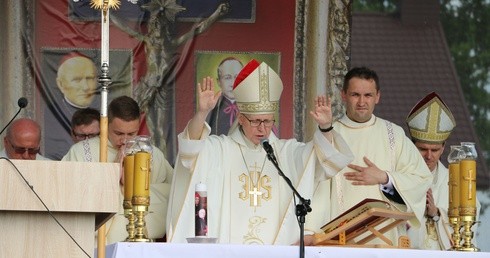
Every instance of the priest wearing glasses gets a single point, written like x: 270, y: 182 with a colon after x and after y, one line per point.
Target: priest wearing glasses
x: 247, y: 201
x: 22, y: 140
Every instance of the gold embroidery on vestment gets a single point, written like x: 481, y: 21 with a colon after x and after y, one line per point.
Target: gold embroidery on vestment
x: 254, y: 183
x: 253, y: 234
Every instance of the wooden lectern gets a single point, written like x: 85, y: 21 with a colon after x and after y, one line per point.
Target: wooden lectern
x: 80, y: 195
x: 364, y: 222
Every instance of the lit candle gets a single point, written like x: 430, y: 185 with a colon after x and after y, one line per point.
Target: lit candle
x: 467, y: 185
x: 453, y: 189
x: 128, y: 163
x: 141, y: 184
x: 201, y: 220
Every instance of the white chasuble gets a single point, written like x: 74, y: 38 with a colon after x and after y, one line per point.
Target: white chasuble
x: 385, y: 145
x: 254, y: 206
x: 248, y: 202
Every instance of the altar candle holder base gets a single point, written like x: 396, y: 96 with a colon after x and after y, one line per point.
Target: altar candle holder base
x: 130, y: 227
x: 467, y: 234
x: 140, y: 212
x: 455, y: 236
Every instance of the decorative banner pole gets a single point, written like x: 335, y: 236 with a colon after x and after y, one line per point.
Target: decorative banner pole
x: 104, y: 81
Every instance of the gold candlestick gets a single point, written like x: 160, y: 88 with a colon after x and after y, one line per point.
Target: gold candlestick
x: 467, y: 209
x: 128, y: 165
x: 129, y: 214
x: 141, y: 194
x: 455, y: 155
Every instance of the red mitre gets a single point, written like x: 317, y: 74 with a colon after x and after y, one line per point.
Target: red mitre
x: 245, y: 72
x: 424, y: 102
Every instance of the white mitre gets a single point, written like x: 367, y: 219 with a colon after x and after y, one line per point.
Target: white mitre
x: 430, y: 120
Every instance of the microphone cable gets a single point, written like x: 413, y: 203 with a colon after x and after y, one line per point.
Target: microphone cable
x: 46, y: 207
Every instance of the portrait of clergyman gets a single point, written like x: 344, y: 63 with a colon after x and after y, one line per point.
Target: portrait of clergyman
x: 224, y: 68
x: 69, y: 82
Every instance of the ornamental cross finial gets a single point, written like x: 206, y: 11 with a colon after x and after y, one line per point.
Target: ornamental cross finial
x: 105, y: 4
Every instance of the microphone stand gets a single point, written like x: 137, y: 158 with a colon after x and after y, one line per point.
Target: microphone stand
x: 302, y: 208
x: 11, y: 120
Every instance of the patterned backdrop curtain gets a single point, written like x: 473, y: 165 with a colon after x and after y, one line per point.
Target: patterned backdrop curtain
x: 35, y: 35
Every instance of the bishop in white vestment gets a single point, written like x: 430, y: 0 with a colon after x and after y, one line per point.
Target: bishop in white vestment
x: 247, y: 201
x: 430, y: 123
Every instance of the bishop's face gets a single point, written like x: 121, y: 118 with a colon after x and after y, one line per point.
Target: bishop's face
x: 256, y: 127
x: 431, y: 153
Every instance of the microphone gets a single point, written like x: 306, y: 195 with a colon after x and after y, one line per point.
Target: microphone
x: 266, y: 145
x: 22, y: 102
x: 268, y: 149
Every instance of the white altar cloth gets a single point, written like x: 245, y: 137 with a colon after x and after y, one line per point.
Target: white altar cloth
x: 164, y: 250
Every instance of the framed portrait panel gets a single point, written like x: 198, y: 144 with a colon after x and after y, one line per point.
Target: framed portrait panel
x: 223, y: 67
x: 69, y: 83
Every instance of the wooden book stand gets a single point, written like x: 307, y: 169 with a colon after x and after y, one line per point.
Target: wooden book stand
x: 373, y: 217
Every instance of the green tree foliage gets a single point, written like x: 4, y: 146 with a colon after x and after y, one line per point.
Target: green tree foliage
x: 467, y: 28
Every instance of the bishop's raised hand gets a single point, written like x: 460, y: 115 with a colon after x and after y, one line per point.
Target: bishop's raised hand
x: 206, y: 96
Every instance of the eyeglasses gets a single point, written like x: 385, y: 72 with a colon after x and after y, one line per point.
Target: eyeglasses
x: 22, y: 150
x: 257, y: 122
x: 81, y: 136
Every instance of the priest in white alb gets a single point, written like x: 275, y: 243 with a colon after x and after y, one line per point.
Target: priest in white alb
x: 387, y: 165
x: 247, y: 201
x: 124, y: 122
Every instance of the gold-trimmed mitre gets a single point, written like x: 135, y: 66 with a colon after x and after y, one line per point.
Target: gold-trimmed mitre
x: 257, y: 89
x: 430, y: 120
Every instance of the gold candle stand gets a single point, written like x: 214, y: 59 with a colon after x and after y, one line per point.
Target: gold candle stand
x: 141, y: 194
x: 140, y: 209
x: 467, y: 209
x: 455, y: 236
x: 467, y: 235
x: 454, y: 192
x: 467, y: 184
x: 128, y: 213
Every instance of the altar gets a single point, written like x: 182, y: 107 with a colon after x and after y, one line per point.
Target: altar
x: 144, y: 250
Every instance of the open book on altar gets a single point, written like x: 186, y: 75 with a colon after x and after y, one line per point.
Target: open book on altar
x: 368, y: 216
